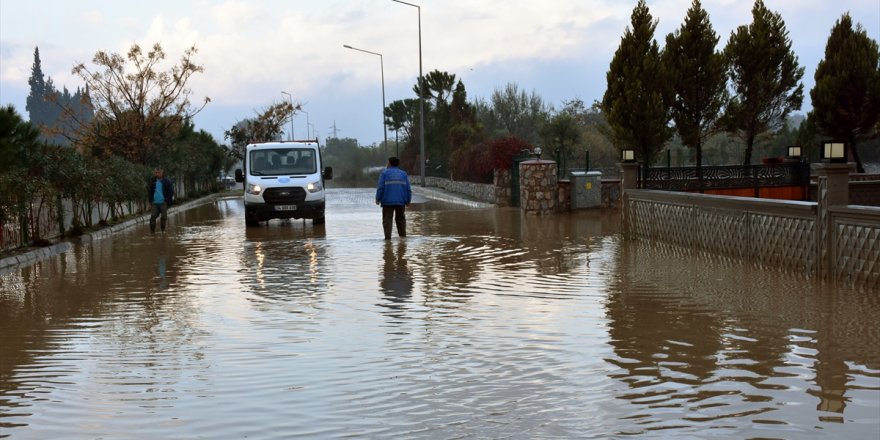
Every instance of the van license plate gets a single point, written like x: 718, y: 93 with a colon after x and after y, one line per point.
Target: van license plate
x: 285, y: 207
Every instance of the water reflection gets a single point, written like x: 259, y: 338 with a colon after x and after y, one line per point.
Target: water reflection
x: 718, y: 341
x: 396, y: 277
x: 484, y: 323
x: 283, y: 260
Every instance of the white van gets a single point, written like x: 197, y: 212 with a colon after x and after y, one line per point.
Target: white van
x: 283, y: 180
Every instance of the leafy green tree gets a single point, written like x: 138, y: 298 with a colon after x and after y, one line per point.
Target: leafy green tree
x: 22, y: 173
x: 438, y: 87
x: 464, y: 129
x: 697, y: 75
x: 846, y: 97
x: 513, y: 112
x: 562, y: 134
x: 765, y: 76
x: 138, y: 108
x: 402, y: 114
x: 73, y: 176
x: 595, y: 135
x: 196, y: 159
x: 634, y: 103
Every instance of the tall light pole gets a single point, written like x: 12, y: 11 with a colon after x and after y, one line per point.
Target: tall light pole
x: 290, y: 99
x: 307, y: 123
x: 421, y: 95
x: 382, y: 67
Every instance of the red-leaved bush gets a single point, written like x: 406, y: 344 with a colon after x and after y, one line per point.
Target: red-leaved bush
x: 472, y: 163
x: 477, y: 163
x: 505, y: 149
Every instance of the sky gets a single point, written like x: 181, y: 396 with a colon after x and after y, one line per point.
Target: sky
x: 251, y: 51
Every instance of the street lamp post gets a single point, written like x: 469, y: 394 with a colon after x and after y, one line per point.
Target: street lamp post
x: 307, y: 123
x: 290, y: 99
x: 421, y: 95
x: 382, y: 68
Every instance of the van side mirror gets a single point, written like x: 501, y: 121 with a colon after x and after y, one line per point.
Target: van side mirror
x: 328, y: 173
x: 239, y: 176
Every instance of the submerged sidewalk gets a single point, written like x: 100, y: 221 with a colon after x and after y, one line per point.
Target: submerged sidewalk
x: 32, y: 255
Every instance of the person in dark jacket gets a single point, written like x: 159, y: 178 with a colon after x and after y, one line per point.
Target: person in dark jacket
x: 161, y: 195
x: 393, y: 194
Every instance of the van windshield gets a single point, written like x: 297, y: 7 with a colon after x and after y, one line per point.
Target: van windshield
x: 282, y: 161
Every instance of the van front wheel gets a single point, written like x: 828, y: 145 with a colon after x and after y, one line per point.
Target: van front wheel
x: 250, y: 220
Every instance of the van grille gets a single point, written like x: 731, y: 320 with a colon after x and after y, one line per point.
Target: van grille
x: 294, y: 194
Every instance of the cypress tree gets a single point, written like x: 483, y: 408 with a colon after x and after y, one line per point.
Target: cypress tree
x: 846, y: 97
x: 765, y: 76
x: 698, y: 78
x: 634, y: 100
x: 36, y: 104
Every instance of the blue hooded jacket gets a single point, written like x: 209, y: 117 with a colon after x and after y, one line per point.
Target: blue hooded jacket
x: 393, y: 188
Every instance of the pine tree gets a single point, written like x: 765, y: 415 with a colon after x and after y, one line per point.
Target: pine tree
x: 698, y: 78
x: 846, y: 97
x: 765, y: 76
x: 634, y: 100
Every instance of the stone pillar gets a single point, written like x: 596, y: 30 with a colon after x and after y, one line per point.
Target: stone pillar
x: 837, y: 180
x: 502, y: 181
x: 833, y: 190
x: 630, y: 172
x: 537, y: 186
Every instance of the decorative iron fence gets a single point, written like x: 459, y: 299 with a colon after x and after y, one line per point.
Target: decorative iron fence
x: 729, y: 176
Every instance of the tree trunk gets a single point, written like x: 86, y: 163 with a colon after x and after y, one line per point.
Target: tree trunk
x: 855, y: 153
x: 699, y: 147
x: 750, y: 142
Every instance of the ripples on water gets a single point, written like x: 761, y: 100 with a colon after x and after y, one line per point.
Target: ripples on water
x: 482, y: 323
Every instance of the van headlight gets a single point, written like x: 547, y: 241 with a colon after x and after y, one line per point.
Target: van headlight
x: 314, y: 186
x: 254, y: 189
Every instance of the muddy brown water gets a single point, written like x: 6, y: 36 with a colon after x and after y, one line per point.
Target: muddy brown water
x: 483, y: 323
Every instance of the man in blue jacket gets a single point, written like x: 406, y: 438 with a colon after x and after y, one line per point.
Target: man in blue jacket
x: 393, y: 194
x: 160, y: 195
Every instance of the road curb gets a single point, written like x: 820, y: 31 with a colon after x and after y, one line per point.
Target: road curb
x: 32, y: 256
x: 444, y: 196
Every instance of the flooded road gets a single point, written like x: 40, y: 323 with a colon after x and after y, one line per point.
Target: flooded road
x: 483, y: 323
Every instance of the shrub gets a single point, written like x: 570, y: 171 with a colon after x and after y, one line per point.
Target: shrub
x: 505, y: 149
x: 472, y: 163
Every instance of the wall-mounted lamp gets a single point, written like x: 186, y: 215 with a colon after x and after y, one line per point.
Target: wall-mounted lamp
x: 537, y: 152
x: 628, y: 155
x: 834, y: 152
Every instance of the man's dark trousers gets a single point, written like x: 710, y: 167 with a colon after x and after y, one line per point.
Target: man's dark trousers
x: 398, y: 212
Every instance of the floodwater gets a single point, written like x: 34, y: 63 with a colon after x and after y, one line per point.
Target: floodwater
x: 483, y: 323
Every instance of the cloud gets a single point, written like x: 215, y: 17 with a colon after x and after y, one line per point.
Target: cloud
x: 253, y: 50
x: 232, y: 16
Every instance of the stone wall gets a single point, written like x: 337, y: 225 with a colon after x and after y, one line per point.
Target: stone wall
x: 538, y: 187
x: 838, y: 242
x: 484, y: 192
x: 499, y: 193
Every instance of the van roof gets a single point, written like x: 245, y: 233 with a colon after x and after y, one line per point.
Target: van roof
x: 282, y: 144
